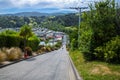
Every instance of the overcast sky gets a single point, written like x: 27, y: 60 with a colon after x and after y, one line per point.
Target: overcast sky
x: 47, y: 6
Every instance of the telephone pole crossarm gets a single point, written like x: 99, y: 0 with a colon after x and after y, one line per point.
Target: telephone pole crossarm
x: 77, y: 8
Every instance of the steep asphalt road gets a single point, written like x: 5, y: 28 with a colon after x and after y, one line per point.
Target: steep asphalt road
x: 51, y: 66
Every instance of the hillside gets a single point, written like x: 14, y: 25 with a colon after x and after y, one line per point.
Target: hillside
x: 27, y: 14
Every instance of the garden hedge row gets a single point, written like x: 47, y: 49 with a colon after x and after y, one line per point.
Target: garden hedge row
x: 17, y: 41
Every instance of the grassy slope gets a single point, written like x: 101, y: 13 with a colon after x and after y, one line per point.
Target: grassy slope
x: 95, y: 70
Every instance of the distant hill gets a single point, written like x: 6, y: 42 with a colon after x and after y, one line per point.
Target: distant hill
x: 27, y: 14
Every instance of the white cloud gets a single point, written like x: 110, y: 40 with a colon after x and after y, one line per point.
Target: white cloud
x: 23, y: 5
x: 45, y: 3
x: 49, y: 3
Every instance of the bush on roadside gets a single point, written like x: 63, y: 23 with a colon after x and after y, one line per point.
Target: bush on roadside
x: 110, y: 52
x: 40, y: 46
x: 5, y: 50
x: 3, y: 56
x: 39, y: 52
x: 48, y: 49
x: 28, y: 50
x: 33, y: 44
x: 14, y: 54
x: 52, y: 48
x: 58, y: 45
x: 56, y: 48
x: 43, y: 49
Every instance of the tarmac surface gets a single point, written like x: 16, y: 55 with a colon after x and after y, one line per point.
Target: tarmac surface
x: 54, y: 65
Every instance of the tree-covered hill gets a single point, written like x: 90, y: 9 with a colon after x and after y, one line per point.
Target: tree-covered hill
x: 12, y: 21
x: 28, y: 14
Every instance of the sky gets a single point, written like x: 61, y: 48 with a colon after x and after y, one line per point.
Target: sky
x: 43, y: 6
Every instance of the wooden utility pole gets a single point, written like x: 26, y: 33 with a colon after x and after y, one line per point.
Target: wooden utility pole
x: 79, y: 10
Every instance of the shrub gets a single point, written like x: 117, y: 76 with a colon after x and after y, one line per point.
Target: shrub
x: 43, y: 49
x: 110, y: 51
x: 73, y: 44
x: 39, y: 52
x: 3, y: 56
x: 85, y: 38
x: 15, y: 54
x: 73, y: 37
x: 40, y: 46
x: 52, y: 48
x: 33, y: 42
x: 58, y: 45
x: 55, y: 48
x: 28, y: 50
x: 5, y: 50
x: 48, y: 48
x: 19, y: 52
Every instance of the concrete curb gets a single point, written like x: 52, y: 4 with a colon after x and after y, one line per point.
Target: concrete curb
x: 75, y: 70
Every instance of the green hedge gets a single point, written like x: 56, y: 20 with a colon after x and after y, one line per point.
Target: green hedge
x: 13, y: 41
x: 17, y: 41
x: 9, y: 41
x: 2, y: 41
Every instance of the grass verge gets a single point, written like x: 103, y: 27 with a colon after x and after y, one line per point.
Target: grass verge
x: 95, y: 70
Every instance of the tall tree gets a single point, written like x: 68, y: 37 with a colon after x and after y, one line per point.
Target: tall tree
x: 98, y: 26
x: 25, y: 32
x: 103, y: 25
